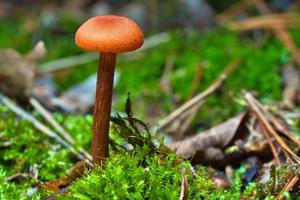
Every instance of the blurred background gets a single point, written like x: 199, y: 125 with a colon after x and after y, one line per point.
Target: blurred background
x: 188, y: 45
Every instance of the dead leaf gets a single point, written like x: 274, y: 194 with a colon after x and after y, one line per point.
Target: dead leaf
x: 218, y: 137
x: 17, y: 71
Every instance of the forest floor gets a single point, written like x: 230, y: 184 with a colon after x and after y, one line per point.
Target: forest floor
x: 159, y: 80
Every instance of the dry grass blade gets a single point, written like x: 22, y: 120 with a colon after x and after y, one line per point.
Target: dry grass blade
x: 290, y: 184
x: 259, y: 112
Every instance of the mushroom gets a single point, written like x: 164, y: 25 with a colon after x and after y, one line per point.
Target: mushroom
x: 108, y: 35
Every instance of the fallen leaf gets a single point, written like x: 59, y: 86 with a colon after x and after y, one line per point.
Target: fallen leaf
x: 217, y: 137
x: 17, y: 71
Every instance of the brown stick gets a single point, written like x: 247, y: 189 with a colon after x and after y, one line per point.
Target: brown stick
x: 102, y: 107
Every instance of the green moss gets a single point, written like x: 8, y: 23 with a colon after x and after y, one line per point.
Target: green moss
x: 136, y: 174
x: 140, y: 176
x: 29, y: 147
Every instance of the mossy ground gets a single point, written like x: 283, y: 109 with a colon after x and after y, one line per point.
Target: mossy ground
x: 213, y: 49
x: 127, y: 175
x: 141, y: 176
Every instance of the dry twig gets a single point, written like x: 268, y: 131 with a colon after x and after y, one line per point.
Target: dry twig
x: 45, y: 113
x: 38, y: 125
x: 259, y: 111
x: 183, y: 116
x: 187, y: 122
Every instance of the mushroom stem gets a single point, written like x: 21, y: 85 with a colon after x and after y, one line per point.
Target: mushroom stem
x: 102, y: 108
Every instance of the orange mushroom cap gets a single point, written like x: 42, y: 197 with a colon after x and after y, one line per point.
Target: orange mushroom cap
x: 110, y: 34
